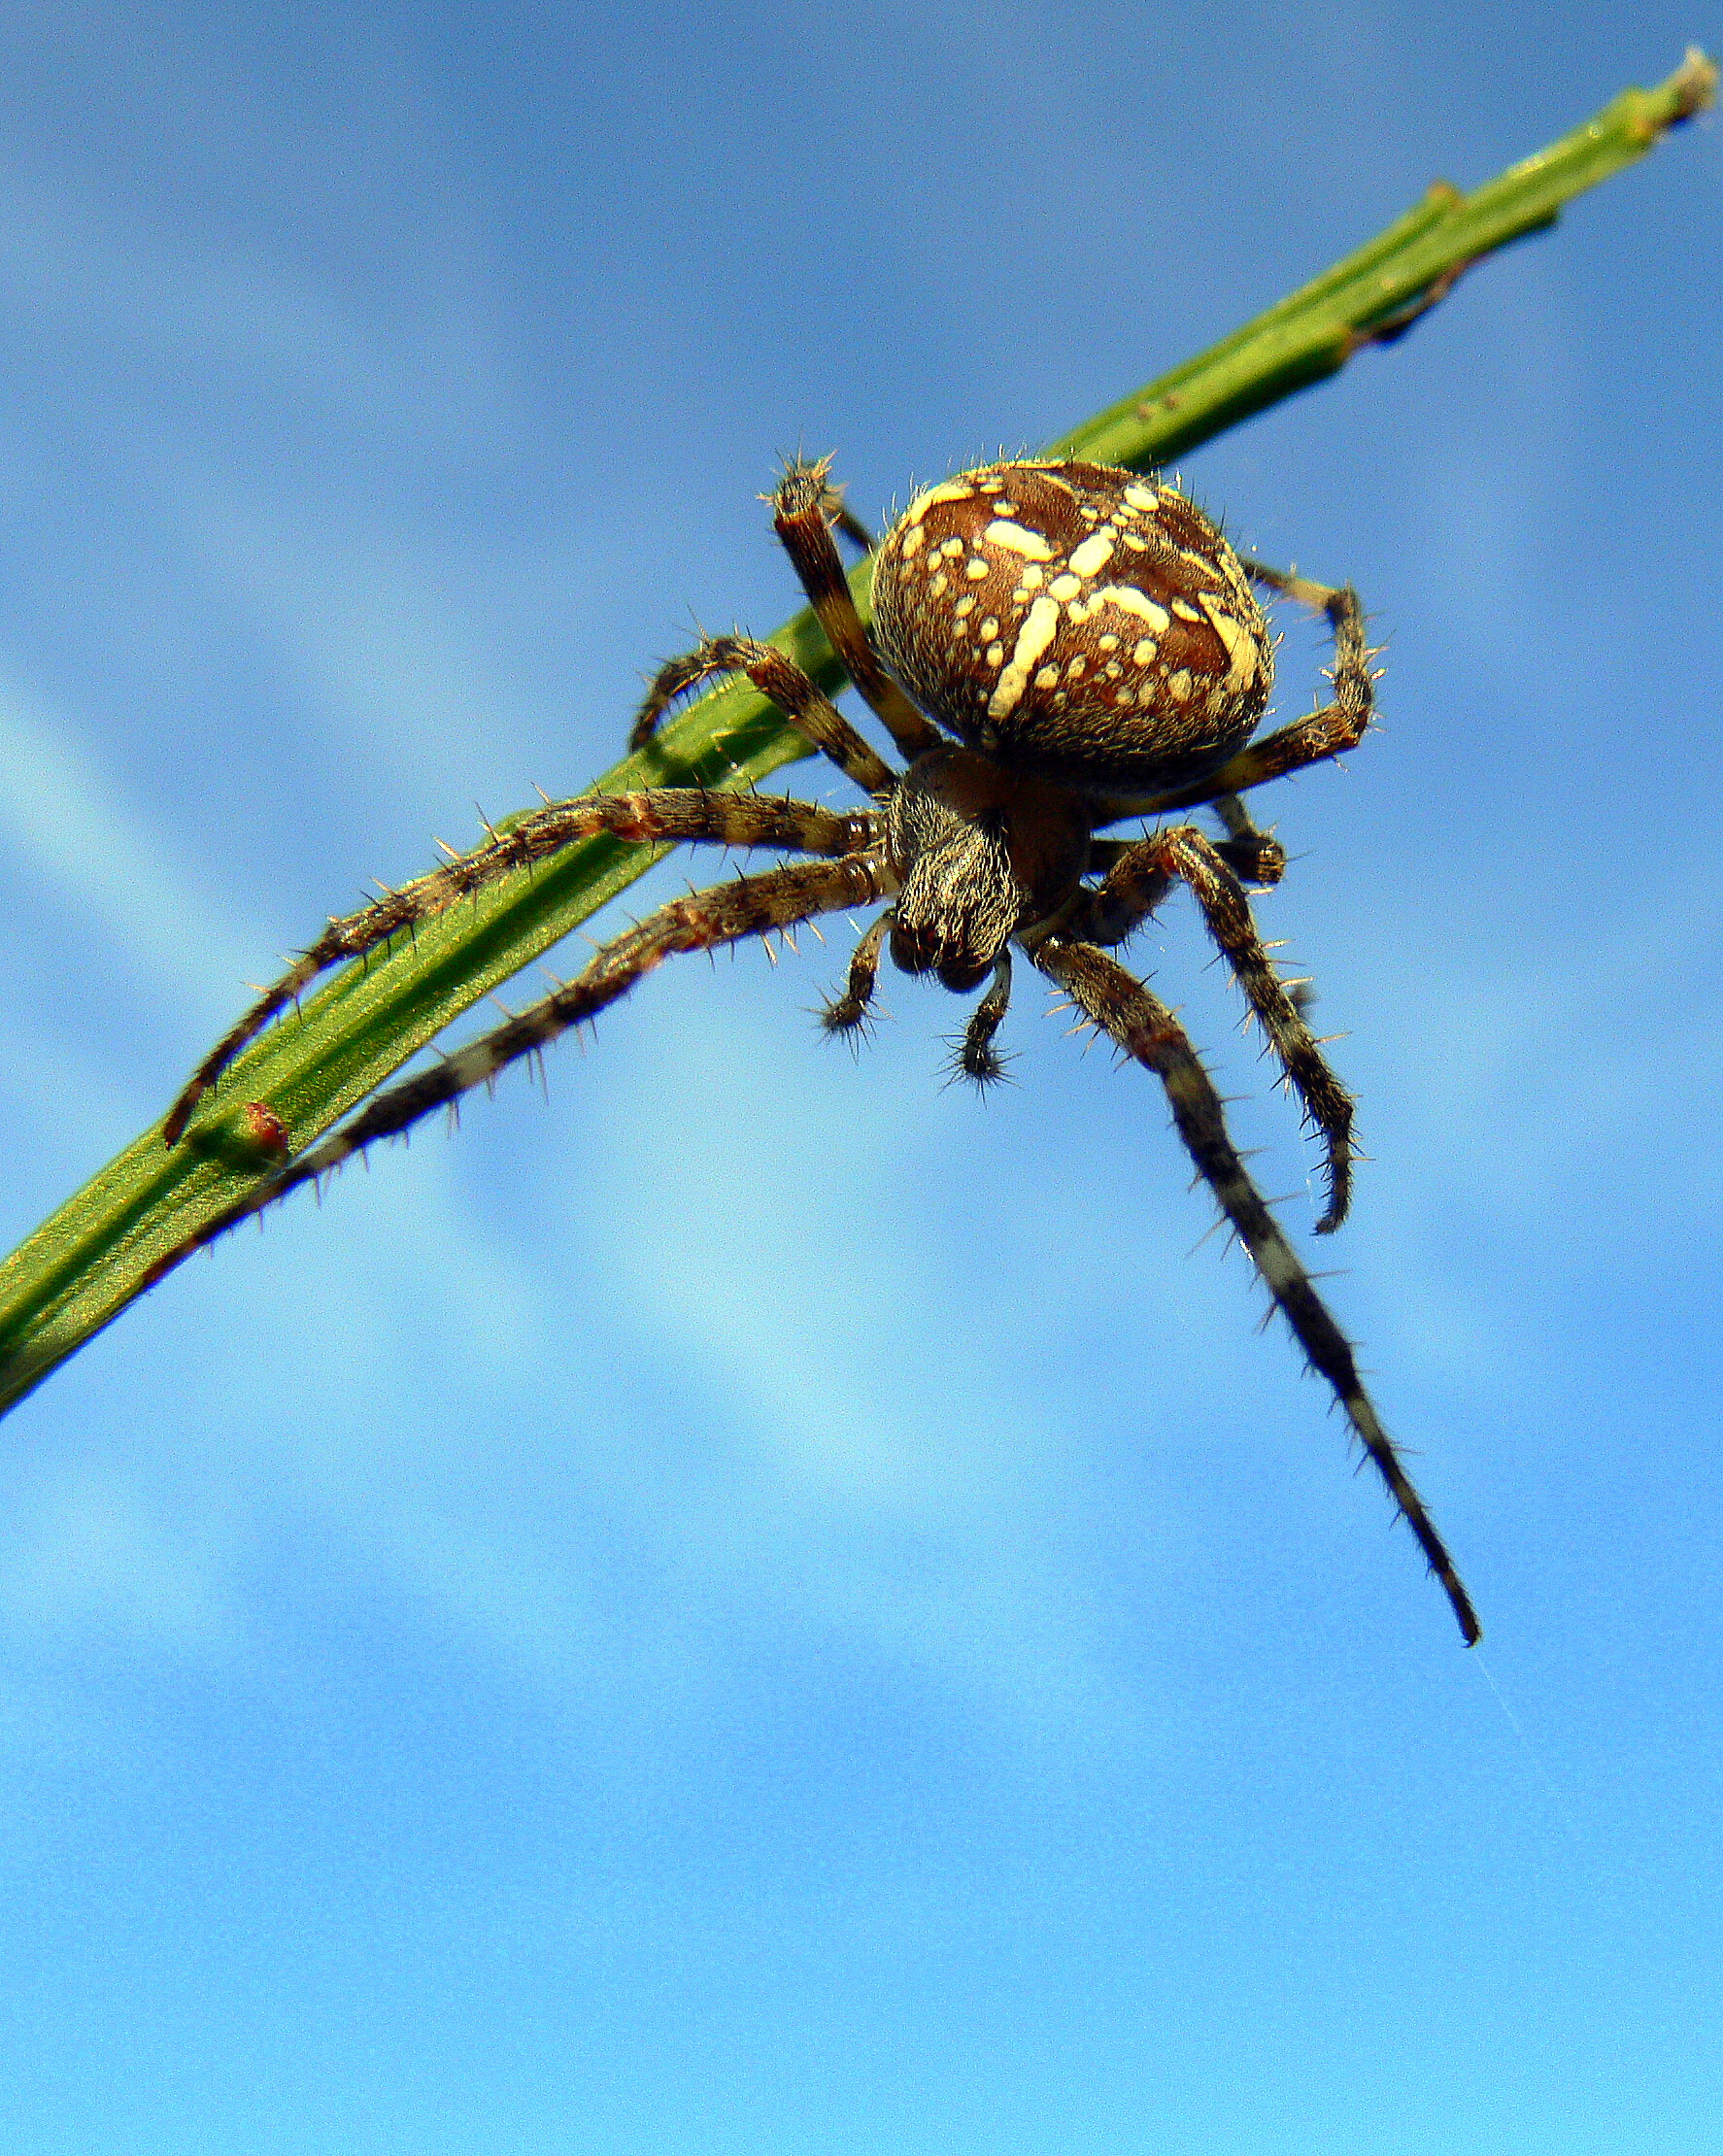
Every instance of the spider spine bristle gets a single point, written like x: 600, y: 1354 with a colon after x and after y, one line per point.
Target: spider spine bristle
x: 1219, y: 1221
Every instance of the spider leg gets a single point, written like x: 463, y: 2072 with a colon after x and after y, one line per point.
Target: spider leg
x: 802, y: 505
x: 847, y: 1013
x: 751, y: 907
x: 1125, y: 901
x: 1330, y: 731
x: 845, y: 519
x: 1137, y: 882
x: 666, y: 812
x: 777, y: 676
x: 976, y: 1057
x: 838, y: 511
x: 1257, y: 856
x: 1147, y: 1031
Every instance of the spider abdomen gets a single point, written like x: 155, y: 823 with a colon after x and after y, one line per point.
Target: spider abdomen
x: 1074, y: 620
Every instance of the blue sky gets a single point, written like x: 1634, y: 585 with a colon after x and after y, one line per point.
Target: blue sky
x: 760, y: 1604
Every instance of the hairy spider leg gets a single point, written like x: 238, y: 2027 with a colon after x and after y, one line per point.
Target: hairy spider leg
x: 663, y: 813
x: 1327, y: 731
x: 977, y: 1058
x: 777, y: 676
x: 750, y: 906
x: 1135, y: 887
x: 1256, y: 856
x: 844, y: 519
x: 847, y: 1013
x: 801, y: 512
x: 1147, y: 1031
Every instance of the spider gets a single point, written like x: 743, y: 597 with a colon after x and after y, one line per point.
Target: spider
x: 1055, y: 646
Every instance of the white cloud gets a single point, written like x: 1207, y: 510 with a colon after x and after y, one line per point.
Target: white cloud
x: 65, y: 824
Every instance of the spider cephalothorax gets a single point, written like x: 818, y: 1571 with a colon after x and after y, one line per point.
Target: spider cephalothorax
x: 1057, y: 646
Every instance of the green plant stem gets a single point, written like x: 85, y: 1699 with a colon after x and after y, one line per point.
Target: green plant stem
x: 131, y: 1222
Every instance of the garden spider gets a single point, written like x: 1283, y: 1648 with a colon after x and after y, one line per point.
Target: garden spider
x: 1055, y: 646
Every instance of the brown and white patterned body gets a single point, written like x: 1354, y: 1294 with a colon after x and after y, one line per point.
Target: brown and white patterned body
x: 1074, y: 621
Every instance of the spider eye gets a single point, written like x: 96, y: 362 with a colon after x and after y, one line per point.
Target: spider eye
x: 1074, y: 620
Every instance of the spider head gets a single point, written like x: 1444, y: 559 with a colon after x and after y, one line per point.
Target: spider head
x: 979, y: 851
x: 1074, y: 621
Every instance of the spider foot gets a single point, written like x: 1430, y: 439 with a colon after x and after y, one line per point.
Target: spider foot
x: 979, y: 1065
x: 847, y: 1015
x: 1255, y: 857
x: 1340, y: 1194
x: 976, y: 1058
x: 852, y: 1013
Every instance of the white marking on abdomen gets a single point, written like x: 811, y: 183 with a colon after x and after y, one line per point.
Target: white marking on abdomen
x: 1018, y: 539
x: 1241, y: 646
x: 1133, y: 602
x: 1033, y: 639
x: 1096, y: 552
x: 953, y: 489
